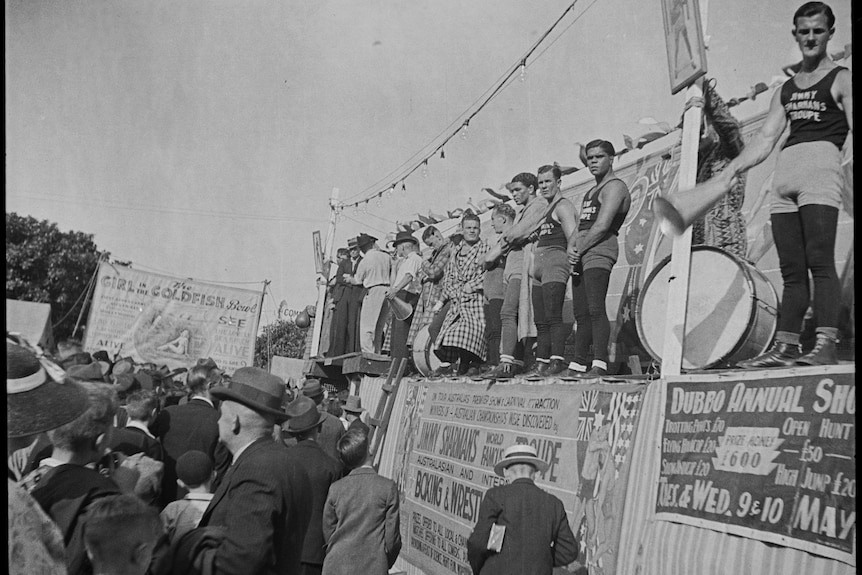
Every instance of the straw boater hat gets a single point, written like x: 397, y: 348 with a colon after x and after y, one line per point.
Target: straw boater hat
x: 353, y: 404
x: 256, y: 389
x: 303, y: 414
x: 402, y: 237
x: 520, y: 453
x: 38, y: 399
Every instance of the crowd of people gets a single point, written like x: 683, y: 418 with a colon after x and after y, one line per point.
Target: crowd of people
x: 119, y: 468
x: 485, y: 302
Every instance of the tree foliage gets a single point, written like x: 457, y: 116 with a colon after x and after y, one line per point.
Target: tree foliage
x: 281, y: 338
x: 44, y: 264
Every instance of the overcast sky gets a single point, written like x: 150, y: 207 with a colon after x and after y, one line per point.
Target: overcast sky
x: 203, y: 138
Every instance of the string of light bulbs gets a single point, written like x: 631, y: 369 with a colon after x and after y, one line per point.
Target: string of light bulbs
x: 519, y: 69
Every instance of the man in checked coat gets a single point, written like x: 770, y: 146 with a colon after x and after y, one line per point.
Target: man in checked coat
x: 462, y: 336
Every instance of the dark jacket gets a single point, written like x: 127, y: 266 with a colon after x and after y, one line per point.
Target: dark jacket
x: 264, y: 505
x: 131, y: 440
x: 345, y: 266
x: 330, y: 432
x: 323, y: 471
x: 537, y: 539
x: 182, y: 428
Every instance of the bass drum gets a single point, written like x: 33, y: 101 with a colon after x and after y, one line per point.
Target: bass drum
x: 731, y: 316
x: 424, y: 358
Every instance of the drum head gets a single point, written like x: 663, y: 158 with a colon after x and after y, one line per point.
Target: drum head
x: 424, y: 358
x: 720, y: 307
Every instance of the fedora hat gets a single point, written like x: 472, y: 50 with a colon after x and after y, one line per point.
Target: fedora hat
x: 255, y: 388
x: 86, y: 372
x: 351, y: 243
x: 402, y: 237
x: 353, y: 404
x: 312, y: 388
x: 303, y: 415
x: 208, y: 362
x: 38, y: 399
x: 365, y: 240
x: 520, y: 453
x: 123, y: 365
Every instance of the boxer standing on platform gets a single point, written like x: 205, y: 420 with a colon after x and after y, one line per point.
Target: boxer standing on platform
x: 603, y: 212
x: 817, y: 103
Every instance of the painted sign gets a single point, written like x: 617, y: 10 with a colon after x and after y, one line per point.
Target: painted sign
x: 686, y: 55
x: 171, y: 321
x: 453, y: 435
x: 765, y: 458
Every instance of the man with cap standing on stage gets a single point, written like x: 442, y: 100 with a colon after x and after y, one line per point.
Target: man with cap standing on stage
x: 304, y: 425
x: 344, y: 333
x: 191, y: 426
x: 406, y: 288
x: 331, y: 428
x: 373, y: 274
x: 521, y: 528
x: 264, y: 504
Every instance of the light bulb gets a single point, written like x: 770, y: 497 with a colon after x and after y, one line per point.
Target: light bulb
x: 464, y: 131
x: 380, y: 200
x: 523, y: 76
x: 356, y: 209
x: 425, y: 169
x: 403, y: 189
x: 442, y: 154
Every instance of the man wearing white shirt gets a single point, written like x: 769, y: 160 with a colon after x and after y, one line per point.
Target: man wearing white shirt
x: 406, y: 288
x: 373, y: 274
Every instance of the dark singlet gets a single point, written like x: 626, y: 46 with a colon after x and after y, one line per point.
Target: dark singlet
x: 551, y: 232
x: 813, y: 113
x: 590, y: 210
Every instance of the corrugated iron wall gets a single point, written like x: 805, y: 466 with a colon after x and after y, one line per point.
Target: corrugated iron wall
x: 647, y: 546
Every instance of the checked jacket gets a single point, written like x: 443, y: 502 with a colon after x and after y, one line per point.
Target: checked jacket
x: 464, y: 325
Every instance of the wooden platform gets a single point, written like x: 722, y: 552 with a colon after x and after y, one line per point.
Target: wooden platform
x: 340, y: 366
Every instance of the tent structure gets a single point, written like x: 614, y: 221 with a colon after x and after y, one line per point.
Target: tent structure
x: 32, y: 320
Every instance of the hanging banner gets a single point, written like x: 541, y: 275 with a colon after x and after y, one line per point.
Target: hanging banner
x: 171, y: 321
x: 768, y: 458
x: 452, y: 435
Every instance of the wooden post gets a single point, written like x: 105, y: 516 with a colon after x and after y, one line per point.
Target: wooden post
x: 680, y: 264
x: 321, y: 287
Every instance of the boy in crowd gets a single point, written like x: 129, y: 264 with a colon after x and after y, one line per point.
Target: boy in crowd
x: 194, y: 474
x: 120, y: 533
x: 135, y: 437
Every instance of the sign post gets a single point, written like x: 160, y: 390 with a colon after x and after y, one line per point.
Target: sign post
x: 687, y: 64
x: 323, y: 271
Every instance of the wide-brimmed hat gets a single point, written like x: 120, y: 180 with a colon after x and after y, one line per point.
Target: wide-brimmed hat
x: 35, y: 400
x: 351, y: 243
x: 365, y: 240
x: 86, y: 372
x: 402, y: 237
x: 303, y: 414
x: 123, y: 365
x: 255, y: 388
x: 104, y: 361
x: 353, y: 404
x: 312, y: 388
x: 520, y: 453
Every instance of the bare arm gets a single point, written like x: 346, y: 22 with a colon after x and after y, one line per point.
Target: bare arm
x: 843, y: 94
x: 568, y: 217
x: 761, y: 144
x: 532, y: 217
x: 613, y: 196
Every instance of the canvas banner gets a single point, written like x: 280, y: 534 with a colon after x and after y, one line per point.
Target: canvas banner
x: 164, y: 320
x: 452, y: 435
x: 768, y: 458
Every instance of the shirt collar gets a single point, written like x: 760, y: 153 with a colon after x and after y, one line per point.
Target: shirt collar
x: 240, y: 450
x: 198, y: 496
x: 202, y: 398
x: 141, y: 426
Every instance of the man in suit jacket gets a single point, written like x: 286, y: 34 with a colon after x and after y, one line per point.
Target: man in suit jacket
x: 136, y: 437
x: 192, y: 426
x: 361, y: 524
x: 304, y: 425
x: 537, y: 536
x: 263, y: 505
x: 331, y: 429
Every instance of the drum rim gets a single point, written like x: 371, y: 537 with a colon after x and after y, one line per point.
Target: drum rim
x: 426, y: 351
x: 743, y: 264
